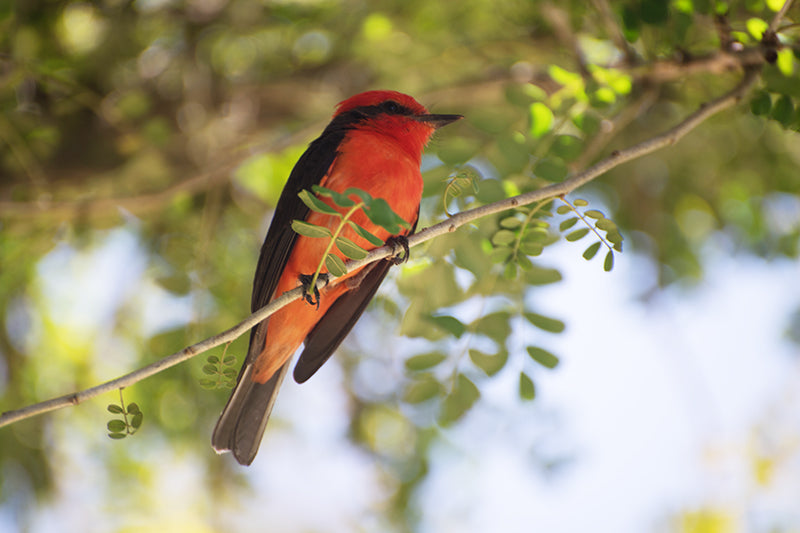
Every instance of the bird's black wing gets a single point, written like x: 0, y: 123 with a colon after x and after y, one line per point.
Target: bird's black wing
x: 312, y: 166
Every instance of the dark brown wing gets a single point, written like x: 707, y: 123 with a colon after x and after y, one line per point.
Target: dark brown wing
x: 331, y: 330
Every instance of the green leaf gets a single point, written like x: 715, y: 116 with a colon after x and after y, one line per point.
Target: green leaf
x: 524, y: 263
x: 363, y: 195
x: 335, y: 265
x: 580, y: 202
x: 543, y: 276
x: 114, y: 408
x: 133, y: 409
x: 116, y: 426
x: 785, y: 61
x: 654, y: 12
x: 592, y: 250
x: 310, y: 230
x: 567, y: 147
x: 422, y: 389
x: 527, y: 391
x: 503, y: 237
x: 594, y: 213
x: 568, y: 223
x: 541, y: 119
x: 424, y: 361
x: 491, y: 364
x: 543, y: 357
x: 457, y: 150
x: 577, y: 235
x: 551, y: 169
x: 608, y: 264
x: 500, y: 255
x: 449, y: 324
x: 588, y: 122
x: 315, y: 204
x: 136, y: 422
x: 510, y: 271
x: 495, y: 326
x: 117, y: 436
x: 614, y: 236
x: 545, y: 323
x: 350, y: 249
x: 229, y: 360
x: 783, y: 111
x: 209, y: 370
x: 756, y: 27
x: 380, y: 213
x: 376, y: 241
x: 563, y: 209
x: 339, y: 199
x: 606, y: 224
x: 230, y: 372
x: 531, y: 248
x: 490, y: 191
x: 464, y: 396
x: 212, y: 359
x: 510, y: 223
x: 761, y: 103
x: 207, y: 383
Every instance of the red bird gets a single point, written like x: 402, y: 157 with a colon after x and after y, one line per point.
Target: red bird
x: 373, y: 143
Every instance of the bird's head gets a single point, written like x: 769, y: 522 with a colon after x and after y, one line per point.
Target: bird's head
x: 394, y: 114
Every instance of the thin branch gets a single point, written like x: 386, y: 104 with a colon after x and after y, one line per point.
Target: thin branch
x: 614, y: 30
x: 773, y: 24
x: 666, y: 70
x: 559, y: 22
x: 667, y: 138
x: 610, y: 128
x: 9, y: 417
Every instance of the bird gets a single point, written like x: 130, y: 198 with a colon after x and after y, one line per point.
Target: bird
x: 374, y: 142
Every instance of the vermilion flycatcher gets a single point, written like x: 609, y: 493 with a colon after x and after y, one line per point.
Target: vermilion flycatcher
x: 374, y: 142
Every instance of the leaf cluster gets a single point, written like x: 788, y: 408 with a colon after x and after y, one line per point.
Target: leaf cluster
x: 454, y: 400
x: 377, y: 210
x: 222, y: 371
x: 131, y: 421
x: 612, y: 239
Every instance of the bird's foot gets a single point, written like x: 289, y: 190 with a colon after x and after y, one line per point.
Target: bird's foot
x: 311, y: 296
x: 402, y: 242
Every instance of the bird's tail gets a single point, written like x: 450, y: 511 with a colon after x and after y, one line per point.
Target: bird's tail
x: 242, y: 423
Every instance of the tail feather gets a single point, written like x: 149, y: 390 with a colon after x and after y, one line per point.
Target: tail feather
x: 242, y: 423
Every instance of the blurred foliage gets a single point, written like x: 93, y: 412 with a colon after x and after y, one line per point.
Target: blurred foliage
x: 173, y: 125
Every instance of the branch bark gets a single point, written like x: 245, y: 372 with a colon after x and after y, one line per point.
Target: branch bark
x: 617, y: 158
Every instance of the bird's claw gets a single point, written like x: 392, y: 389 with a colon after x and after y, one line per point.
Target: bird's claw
x: 394, y: 242
x: 312, y: 298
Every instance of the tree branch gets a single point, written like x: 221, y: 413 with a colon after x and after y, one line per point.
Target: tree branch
x: 663, y: 140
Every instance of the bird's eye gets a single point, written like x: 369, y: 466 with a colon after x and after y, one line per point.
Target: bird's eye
x: 391, y: 106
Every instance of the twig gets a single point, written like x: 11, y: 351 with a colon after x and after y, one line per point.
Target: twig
x: 617, y: 124
x: 773, y: 24
x: 614, y: 30
x: 667, y: 138
x: 559, y: 22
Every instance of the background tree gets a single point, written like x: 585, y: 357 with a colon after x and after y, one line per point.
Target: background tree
x: 144, y: 143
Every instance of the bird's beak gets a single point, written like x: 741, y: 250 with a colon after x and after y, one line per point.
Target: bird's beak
x: 437, y: 121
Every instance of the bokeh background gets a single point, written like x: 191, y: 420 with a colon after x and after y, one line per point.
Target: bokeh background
x: 143, y: 145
